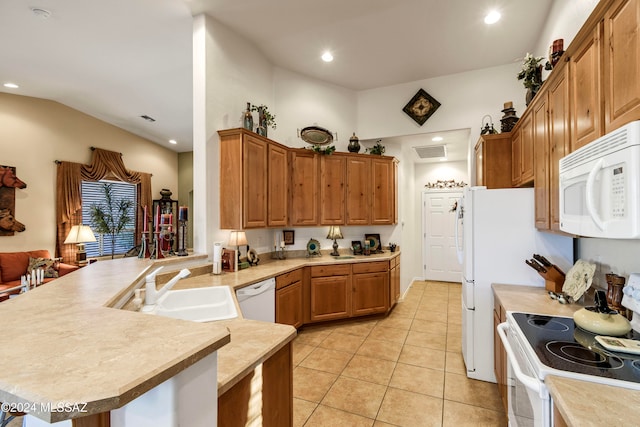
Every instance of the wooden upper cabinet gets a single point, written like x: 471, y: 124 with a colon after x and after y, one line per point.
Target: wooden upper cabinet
x: 255, y: 182
x: 622, y: 64
x: 332, y: 189
x: 541, y: 161
x: 493, y: 160
x: 243, y: 180
x: 304, y: 187
x: 522, y: 151
x: 559, y: 138
x: 358, y: 190
x: 585, y: 68
x: 383, y: 202
x: 278, y: 180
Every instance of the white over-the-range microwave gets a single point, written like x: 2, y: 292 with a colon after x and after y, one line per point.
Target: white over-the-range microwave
x: 600, y: 186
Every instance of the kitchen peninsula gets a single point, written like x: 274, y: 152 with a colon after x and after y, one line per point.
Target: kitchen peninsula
x: 70, y: 342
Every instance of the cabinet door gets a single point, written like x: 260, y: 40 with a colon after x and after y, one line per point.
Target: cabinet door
x: 500, y: 362
x: 559, y: 140
x: 330, y: 297
x: 278, y: 186
x: 332, y: 189
x: 585, y: 68
x: 516, y: 155
x: 384, y: 192
x: 541, y: 161
x: 304, y: 188
x: 479, y: 158
x: 522, y: 152
x: 370, y: 293
x: 289, y: 305
x: 254, y: 182
x: 622, y: 64
x: 394, y: 286
x: 358, y: 190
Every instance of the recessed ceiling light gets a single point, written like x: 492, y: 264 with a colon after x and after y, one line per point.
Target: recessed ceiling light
x: 492, y: 17
x: 327, y: 56
x: 173, y: 141
x: 11, y: 85
x: 436, y: 138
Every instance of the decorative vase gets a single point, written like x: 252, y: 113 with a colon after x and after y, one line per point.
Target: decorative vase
x: 262, y: 123
x: 354, y: 144
x: 537, y: 82
x: 247, y: 122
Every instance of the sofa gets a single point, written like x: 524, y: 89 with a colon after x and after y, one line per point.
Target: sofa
x: 16, y: 264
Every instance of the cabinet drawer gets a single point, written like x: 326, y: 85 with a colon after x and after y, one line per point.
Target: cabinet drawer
x: 370, y: 267
x: 288, y: 278
x: 330, y: 270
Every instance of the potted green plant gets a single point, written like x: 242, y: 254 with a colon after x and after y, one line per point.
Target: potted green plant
x: 265, y: 119
x: 112, y: 216
x: 377, y: 148
x: 326, y: 150
x: 531, y: 75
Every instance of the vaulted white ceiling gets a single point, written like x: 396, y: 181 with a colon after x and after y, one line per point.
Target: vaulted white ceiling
x: 121, y: 59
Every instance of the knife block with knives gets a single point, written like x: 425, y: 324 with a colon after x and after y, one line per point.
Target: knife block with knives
x: 553, y: 276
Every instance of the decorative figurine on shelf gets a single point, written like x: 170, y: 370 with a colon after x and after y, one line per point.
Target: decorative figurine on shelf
x: 555, y: 52
x: 509, y: 120
x: 165, y: 228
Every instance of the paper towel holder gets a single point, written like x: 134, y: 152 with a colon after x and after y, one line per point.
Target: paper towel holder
x: 217, y: 258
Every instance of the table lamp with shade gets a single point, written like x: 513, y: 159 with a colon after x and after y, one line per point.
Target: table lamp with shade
x: 80, y: 234
x: 335, y: 233
x: 237, y: 239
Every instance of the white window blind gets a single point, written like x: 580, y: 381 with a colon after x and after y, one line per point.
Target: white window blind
x: 93, y: 193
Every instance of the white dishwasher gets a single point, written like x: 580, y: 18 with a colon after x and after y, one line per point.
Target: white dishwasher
x: 258, y: 301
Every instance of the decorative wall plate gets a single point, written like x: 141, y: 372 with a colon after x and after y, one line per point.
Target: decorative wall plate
x: 316, y: 135
x: 374, y: 242
x: 313, y: 248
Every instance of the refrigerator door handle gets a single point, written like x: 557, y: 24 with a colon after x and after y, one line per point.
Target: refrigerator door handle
x: 457, y: 226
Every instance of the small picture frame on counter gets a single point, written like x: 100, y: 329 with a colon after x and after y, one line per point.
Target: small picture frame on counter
x: 289, y: 237
x: 356, y: 247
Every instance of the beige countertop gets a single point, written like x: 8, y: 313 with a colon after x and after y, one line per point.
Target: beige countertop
x: 584, y: 403
x: 64, y: 343
x: 581, y: 403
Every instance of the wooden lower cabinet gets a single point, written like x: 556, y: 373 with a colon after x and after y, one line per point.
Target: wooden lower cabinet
x: 264, y: 397
x: 558, y: 420
x: 394, y: 281
x: 499, y: 354
x: 289, y: 307
x: 330, y: 292
x: 97, y: 420
x: 370, y: 293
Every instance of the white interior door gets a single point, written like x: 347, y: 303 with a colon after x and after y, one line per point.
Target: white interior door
x: 440, y: 261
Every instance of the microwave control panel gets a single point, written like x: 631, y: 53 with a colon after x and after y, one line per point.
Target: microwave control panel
x: 617, y: 192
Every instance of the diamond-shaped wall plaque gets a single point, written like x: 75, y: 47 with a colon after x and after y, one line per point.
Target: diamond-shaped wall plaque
x: 421, y: 107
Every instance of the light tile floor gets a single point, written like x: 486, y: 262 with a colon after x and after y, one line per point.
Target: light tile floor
x: 403, y: 370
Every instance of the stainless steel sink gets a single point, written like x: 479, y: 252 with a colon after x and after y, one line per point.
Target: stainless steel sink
x: 198, y: 304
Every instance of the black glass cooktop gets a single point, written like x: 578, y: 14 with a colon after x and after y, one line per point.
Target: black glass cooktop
x: 559, y: 344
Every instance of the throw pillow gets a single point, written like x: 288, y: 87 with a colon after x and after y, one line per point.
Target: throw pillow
x: 48, y: 265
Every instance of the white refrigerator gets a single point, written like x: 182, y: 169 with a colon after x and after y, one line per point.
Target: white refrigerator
x: 496, y: 234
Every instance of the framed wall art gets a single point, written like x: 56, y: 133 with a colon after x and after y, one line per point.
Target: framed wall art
x: 421, y: 107
x: 289, y: 237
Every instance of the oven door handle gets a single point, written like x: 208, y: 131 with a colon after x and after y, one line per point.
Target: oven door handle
x: 529, y: 382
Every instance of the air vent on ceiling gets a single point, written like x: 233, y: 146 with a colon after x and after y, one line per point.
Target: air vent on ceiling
x: 148, y: 118
x: 431, y: 151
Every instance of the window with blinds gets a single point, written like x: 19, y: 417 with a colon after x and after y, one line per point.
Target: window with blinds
x: 93, y: 193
